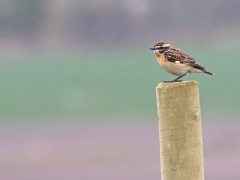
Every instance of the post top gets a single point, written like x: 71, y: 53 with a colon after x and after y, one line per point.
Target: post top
x: 177, y: 84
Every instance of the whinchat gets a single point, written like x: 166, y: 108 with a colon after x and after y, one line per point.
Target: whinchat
x: 176, y: 62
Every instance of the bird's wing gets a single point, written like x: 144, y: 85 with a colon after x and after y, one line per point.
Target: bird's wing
x: 193, y: 63
x: 176, y: 55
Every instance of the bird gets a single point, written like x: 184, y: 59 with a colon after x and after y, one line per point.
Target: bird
x: 176, y: 62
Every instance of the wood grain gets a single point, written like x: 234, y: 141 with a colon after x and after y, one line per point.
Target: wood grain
x: 180, y: 131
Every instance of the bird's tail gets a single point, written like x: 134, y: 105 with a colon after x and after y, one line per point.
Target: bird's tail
x: 207, y: 72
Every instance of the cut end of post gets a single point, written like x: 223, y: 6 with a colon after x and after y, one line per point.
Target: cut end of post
x: 177, y: 84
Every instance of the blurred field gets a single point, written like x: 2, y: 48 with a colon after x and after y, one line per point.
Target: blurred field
x: 107, y: 84
x: 120, y: 150
x: 69, y: 115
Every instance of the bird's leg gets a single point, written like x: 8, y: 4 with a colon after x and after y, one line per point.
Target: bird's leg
x: 176, y: 80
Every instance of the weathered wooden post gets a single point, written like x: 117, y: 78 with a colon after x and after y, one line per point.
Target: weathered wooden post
x: 180, y: 131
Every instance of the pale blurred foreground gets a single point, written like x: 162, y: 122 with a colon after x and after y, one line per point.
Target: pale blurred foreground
x: 106, y: 151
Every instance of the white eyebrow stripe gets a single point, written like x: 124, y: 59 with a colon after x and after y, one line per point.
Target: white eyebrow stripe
x: 165, y: 45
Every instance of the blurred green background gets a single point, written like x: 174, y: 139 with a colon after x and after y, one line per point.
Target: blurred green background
x: 87, y: 63
x: 117, y: 82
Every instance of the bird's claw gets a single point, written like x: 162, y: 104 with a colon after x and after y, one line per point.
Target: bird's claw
x: 173, y: 81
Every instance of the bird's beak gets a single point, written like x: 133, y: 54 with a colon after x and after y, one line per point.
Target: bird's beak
x: 152, y: 48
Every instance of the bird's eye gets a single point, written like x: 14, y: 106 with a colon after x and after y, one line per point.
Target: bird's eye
x: 160, y: 49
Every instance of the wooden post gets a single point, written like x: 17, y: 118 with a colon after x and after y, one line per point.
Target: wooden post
x: 180, y: 131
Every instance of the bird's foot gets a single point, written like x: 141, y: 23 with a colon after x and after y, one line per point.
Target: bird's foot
x: 175, y: 80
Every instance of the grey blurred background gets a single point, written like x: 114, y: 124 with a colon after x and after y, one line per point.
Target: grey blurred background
x: 78, y: 86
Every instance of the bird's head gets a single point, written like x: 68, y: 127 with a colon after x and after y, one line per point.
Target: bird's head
x: 161, y: 48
